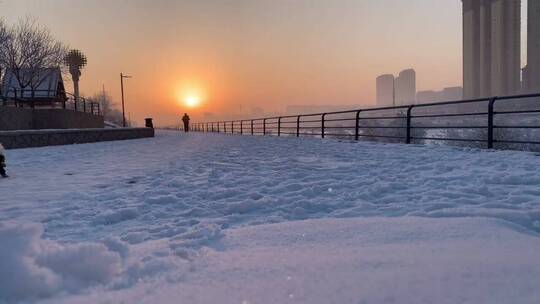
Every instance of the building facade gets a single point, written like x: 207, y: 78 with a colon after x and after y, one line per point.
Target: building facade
x: 385, y: 90
x: 506, y: 47
x: 532, y: 72
x: 405, y: 88
x: 491, y: 47
x: 447, y: 94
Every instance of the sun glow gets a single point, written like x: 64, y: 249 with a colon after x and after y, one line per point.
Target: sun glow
x: 190, y: 96
x: 192, y: 101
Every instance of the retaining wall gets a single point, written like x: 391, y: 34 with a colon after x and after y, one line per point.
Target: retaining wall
x: 41, y: 138
x: 12, y: 118
x: 65, y: 119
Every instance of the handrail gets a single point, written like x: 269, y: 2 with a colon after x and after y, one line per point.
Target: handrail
x: 403, y: 115
x: 21, y: 97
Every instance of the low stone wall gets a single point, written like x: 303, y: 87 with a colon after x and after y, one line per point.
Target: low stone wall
x: 41, y: 138
x: 65, y: 119
x: 12, y: 118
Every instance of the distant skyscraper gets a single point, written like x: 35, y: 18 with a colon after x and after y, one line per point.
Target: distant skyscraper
x: 491, y: 47
x: 385, y: 90
x: 405, y: 88
x: 533, y: 47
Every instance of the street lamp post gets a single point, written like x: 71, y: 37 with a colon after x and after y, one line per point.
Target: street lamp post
x: 122, y: 76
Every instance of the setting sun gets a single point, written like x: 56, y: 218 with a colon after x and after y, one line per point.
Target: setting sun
x: 192, y: 101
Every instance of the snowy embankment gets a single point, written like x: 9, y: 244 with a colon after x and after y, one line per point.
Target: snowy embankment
x: 208, y: 218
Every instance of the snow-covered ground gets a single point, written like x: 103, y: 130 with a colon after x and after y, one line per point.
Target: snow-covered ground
x: 212, y: 218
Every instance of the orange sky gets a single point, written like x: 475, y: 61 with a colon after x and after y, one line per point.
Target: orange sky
x: 244, y: 54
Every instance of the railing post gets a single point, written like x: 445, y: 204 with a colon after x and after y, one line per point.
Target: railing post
x: 84, y: 105
x: 491, y: 115
x: 279, y: 127
x: 264, y: 126
x: 232, y: 127
x: 357, y: 126
x: 241, y: 127
x: 409, y: 112
x: 206, y: 127
x: 218, y: 127
x: 252, y: 127
x: 298, y: 125
x: 322, y: 125
x: 212, y: 127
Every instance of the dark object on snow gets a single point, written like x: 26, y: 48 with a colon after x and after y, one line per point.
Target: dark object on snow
x: 2, y: 162
x: 185, y: 119
x: 148, y: 123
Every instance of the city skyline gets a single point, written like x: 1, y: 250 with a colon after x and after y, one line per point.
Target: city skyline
x: 302, y: 52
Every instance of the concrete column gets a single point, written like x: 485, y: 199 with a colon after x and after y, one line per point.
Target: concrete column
x: 471, y: 48
x: 533, y: 46
x: 485, y: 48
x: 506, y: 47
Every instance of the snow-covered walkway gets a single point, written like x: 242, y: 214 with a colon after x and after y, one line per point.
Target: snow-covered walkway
x: 211, y: 218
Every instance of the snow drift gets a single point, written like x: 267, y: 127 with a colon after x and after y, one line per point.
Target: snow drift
x: 142, y: 220
x: 31, y: 267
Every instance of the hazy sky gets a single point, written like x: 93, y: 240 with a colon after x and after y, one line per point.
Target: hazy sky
x: 242, y: 54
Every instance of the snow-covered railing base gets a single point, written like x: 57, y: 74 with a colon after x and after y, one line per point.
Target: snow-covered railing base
x: 41, y: 138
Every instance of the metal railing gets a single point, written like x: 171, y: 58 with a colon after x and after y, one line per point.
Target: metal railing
x: 507, y: 122
x: 48, y: 99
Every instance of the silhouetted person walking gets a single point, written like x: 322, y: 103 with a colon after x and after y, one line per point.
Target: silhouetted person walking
x: 185, y: 119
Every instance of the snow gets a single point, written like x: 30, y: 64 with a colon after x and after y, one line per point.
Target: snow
x: 206, y: 218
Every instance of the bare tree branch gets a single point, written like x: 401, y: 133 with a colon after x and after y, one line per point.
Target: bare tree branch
x: 31, y: 53
x: 4, y: 36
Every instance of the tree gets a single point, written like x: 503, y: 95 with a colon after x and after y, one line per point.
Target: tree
x: 31, y: 53
x: 4, y: 36
x: 108, y: 108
